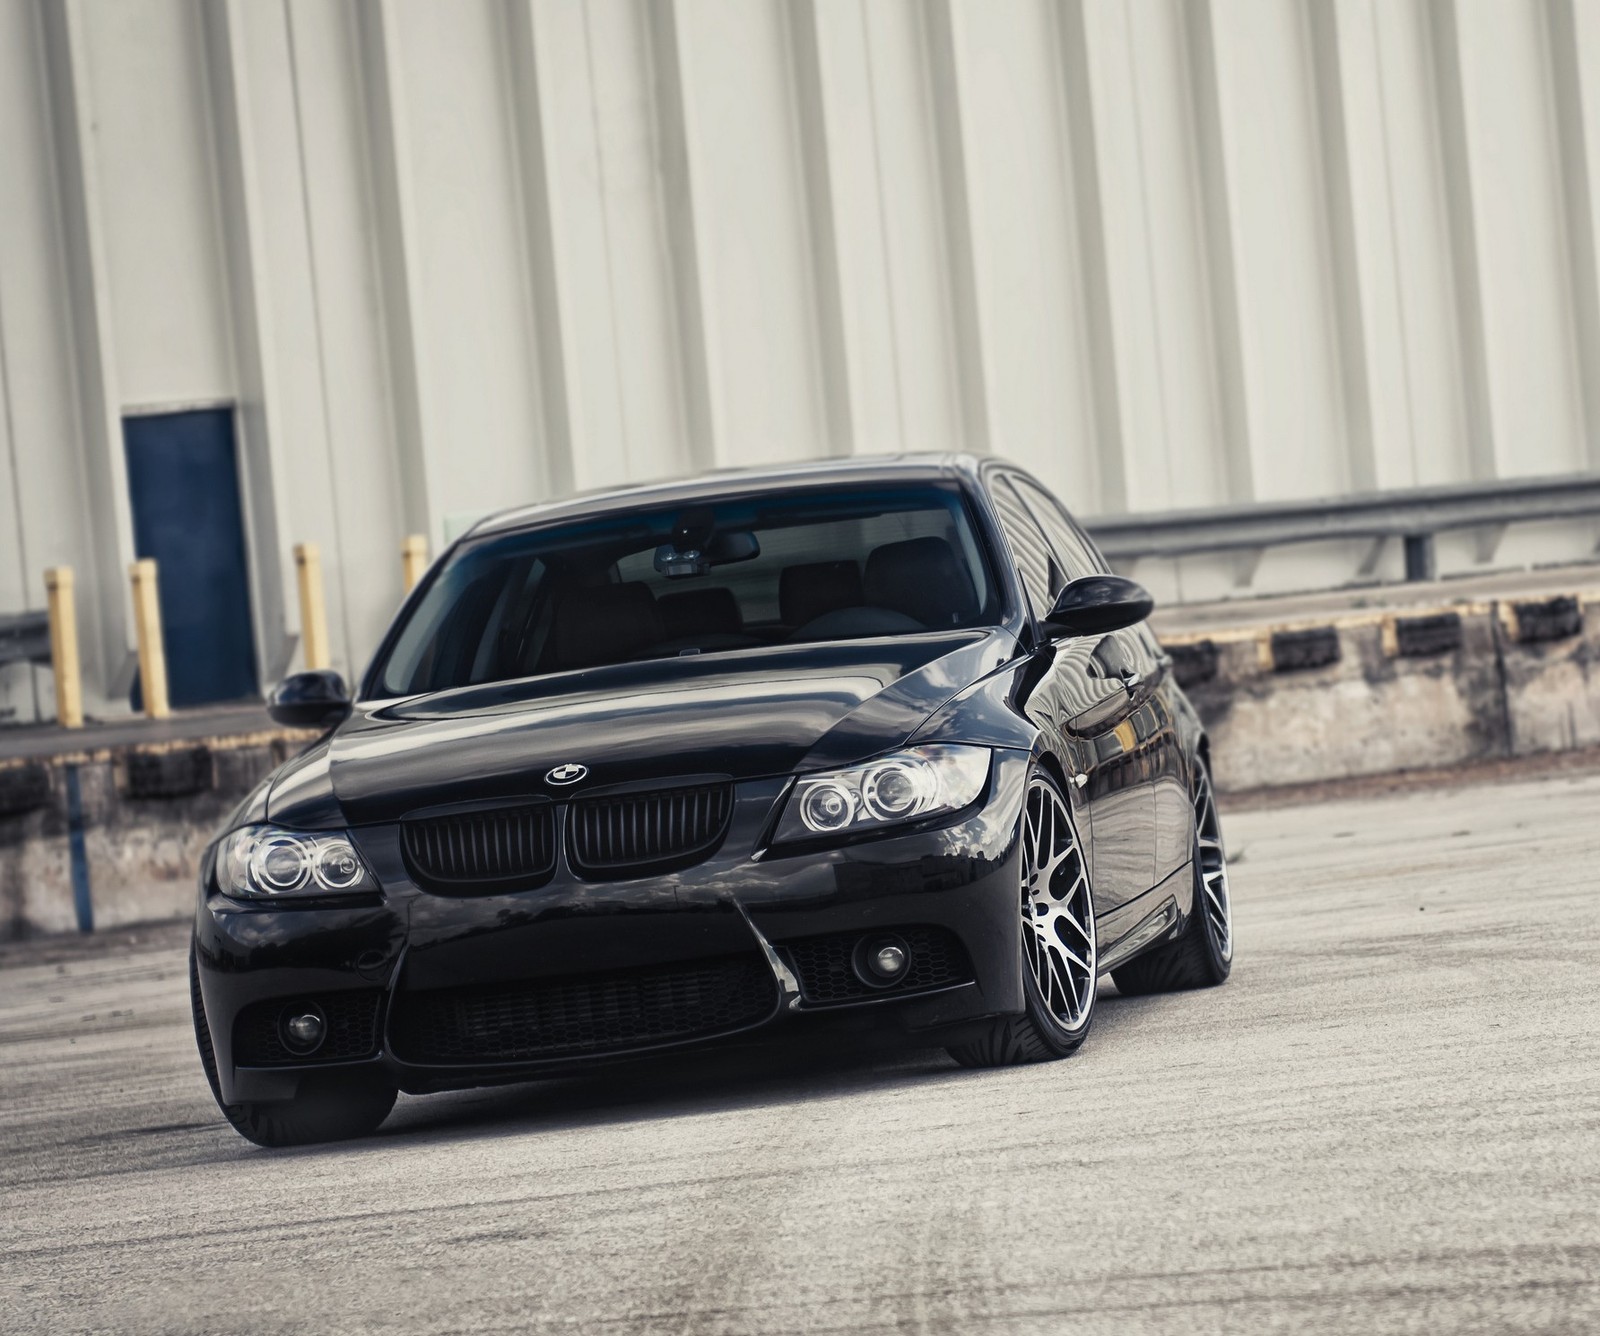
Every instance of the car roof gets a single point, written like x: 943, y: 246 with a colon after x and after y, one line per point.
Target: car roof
x: 726, y: 482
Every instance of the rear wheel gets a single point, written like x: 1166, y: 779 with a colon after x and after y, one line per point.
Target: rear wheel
x: 1203, y: 956
x: 330, y: 1106
x: 1059, y: 951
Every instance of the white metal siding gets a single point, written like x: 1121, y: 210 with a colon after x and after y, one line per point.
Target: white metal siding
x: 449, y: 257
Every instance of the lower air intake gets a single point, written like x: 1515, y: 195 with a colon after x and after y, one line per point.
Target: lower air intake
x: 601, y: 1013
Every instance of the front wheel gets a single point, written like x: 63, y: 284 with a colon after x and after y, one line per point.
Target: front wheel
x: 330, y: 1106
x: 1059, y: 952
x: 1203, y: 956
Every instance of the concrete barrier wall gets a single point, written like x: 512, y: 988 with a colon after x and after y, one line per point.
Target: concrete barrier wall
x: 145, y: 815
x: 1369, y: 694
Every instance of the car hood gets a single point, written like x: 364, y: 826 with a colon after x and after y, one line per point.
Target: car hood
x: 754, y: 713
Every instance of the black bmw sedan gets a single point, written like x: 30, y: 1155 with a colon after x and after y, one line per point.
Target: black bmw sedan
x: 877, y: 744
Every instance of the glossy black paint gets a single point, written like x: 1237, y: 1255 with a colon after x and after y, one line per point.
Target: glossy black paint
x: 314, y: 699
x: 1093, y: 605
x: 771, y: 711
x: 1099, y: 708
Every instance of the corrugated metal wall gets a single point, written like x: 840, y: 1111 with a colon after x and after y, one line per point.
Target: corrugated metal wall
x: 448, y: 256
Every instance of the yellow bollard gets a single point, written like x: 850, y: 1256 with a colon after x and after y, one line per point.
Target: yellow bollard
x: 147, y: 624
x: 313, y: 612
x: 413, y: 559
x: 64, y: 646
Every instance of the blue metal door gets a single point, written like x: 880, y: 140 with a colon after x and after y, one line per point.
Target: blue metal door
x: 183, y: 484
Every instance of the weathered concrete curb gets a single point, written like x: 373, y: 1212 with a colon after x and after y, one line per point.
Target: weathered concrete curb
x: 1374, y: 693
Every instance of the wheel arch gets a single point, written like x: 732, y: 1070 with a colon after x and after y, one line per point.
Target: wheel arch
x: 1046, y: 757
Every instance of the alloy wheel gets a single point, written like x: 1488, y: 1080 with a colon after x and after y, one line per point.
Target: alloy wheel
x: 1058, y: 939
x: 1213, y: 863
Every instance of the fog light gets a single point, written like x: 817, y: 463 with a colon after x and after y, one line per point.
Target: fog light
x: 303, y: 1030
x: 882, y: 960
x: 889, y: 962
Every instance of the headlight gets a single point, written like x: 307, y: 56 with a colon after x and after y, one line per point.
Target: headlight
x: 268, y: 863
x: 907, y: 786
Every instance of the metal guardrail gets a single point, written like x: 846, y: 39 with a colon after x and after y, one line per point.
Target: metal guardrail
x: 25, y: 637
x: 1415, y: 515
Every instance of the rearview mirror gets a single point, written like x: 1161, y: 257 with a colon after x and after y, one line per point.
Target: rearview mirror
x: 1093, y: 605
x: 678, y: 560
x: 316, y: 699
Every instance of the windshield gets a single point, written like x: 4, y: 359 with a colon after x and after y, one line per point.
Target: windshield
x: 713, y: 577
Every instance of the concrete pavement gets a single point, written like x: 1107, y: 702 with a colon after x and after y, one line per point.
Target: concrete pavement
x: 1389, y: 1120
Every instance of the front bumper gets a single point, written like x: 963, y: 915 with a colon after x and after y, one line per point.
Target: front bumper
x: 384, y: 972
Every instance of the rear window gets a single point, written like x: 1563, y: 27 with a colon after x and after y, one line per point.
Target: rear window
x: 711, y: 578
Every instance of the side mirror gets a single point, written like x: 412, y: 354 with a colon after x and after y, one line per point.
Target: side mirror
x: 310, y: 700
x: 1093, y: 605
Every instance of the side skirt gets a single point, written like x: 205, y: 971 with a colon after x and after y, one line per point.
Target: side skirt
x: 1156, y: 916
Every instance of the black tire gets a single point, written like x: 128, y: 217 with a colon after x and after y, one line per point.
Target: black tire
x: 1039, y: 1033
x: 1202, y: 956
x: 330, y: 1106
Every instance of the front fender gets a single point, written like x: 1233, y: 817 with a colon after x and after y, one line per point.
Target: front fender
x: 985, y: 714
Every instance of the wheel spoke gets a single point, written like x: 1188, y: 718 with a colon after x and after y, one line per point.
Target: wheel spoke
x: 1049, y: 985
x: 1063, y: 983
x: 1075, y: 958
x: 1077, y: 927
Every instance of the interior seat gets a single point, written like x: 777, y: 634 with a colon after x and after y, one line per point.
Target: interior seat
x: 596, y: 624
x: 809, y: 591
x: 697, y: 613
x: 921, y: 578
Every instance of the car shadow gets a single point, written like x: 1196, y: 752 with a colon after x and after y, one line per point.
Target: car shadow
x: 760, y: 1074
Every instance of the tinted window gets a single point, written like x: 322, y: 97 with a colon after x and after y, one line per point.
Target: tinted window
x: 717, y: 577
x: 1028, y: 548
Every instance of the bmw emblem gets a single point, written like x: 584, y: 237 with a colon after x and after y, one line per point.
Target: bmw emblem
x: 570, y: 773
